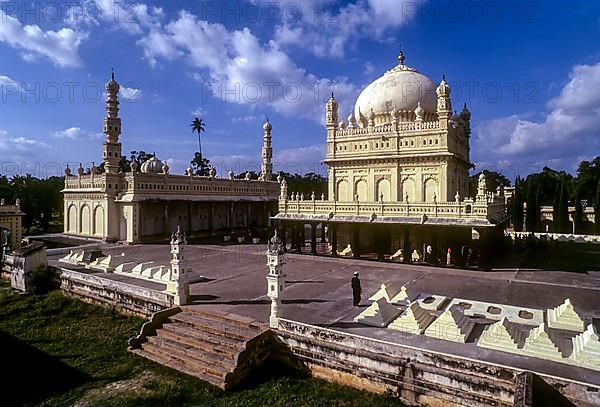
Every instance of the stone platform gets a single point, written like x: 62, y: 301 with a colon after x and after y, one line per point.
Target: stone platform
x: 318, y: 293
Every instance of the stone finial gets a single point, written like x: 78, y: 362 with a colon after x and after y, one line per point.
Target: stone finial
x: 283, y: 188
x: 94, y: 169
x: 457, y: 197
x: 298, y: 196
x: 230, y: 175
x: 189, y: 172
x: 247, y: 177
x: 371, y: 118
x: 322, y: 196
x: 17, y: 202
x: 302, y: 197
x: 274, y: 245
x: 482, y: 186
x: 279, y: 178
x: 313, y: 196
x: 178, y: 237
x: 419, y: 112
x: 212, y: 172
x: 67, y: 171
x: 134, y: 166
x: 2, y: 202
x: 80, y: 170
x: 351, y: 120
x: 165, y: 168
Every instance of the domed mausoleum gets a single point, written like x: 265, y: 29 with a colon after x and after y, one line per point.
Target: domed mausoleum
x: 144, y: 202
x: 398, y: 171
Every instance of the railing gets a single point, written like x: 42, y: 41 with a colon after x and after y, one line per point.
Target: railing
x: 389, y: 127
x: 175, y: 185
x: 484, y: 207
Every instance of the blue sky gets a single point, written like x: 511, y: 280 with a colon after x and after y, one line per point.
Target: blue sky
x: 529, y: 71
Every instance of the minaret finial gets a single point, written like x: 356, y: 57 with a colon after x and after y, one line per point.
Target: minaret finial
x: 401, y: 57
x: 332, y: 95
x: 112, y: 73
x: 443, y: 77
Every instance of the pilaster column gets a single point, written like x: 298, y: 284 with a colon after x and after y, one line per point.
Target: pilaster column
x: 313, y: 239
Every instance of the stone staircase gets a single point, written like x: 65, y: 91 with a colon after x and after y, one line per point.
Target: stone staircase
x: 215, y: 346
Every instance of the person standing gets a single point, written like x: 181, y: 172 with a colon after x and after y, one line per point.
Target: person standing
x: 429, y: 257
x: 356, y: 289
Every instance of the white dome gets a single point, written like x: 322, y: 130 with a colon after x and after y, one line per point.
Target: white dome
x: 152, y: 166
x: 401, y: 87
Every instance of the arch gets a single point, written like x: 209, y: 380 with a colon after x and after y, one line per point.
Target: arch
x: 430, y: 188
x: 99, y: 221
x: 85, y: 218
x: 72, y: 219
x: 408, y: 189
x: 383, y: 188
x: 361, y: 189
x: 342, y: 190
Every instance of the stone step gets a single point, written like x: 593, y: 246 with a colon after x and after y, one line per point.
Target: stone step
x: 188, y: 359
x: 194, y: 344
x: 220, y: 328
x: 227, y: 317
x: 174, y: 364
x: 208, y: 356
x: 195, y: 337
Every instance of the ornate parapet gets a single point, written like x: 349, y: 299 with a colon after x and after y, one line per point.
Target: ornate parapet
x: 474, y: 212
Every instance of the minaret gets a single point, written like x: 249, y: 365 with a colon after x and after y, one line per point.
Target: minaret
x: 111, y: 147
x: 275, y: 278
x: 331, y: 116
x: 444, y: 105
x: 267, y: 153
x: 179, y: 283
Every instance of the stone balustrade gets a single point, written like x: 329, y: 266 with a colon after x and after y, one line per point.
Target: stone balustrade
x: 489, y: 207
x: 165, y: 185
x: 388, y: 128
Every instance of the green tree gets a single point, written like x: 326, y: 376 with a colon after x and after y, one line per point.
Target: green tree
x: 200, y: 166
x: 198, y: 127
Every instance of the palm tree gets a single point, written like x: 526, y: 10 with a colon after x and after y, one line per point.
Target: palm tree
x: 198, y: 127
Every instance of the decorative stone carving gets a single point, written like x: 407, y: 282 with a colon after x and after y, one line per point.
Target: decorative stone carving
x: 451, y: 325
x: 378, y: 314
x: 502, y: 335
x: 540, y: 344
x: 565, y: 317
x: 387, y: 291
x: 586, y: 348
x: 414, y: 320
x: 275, y: 278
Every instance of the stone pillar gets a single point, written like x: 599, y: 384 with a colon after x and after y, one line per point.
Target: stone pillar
x: 275, y: 278
x: 166, y: 218
x: 313, y: 239
x: 356, y: 241
x: 189, y: 217
x: 333, y: 239
x: 211, y: 215
x: 179, y: 283
x: 231, y: 217
x: 323, y: 240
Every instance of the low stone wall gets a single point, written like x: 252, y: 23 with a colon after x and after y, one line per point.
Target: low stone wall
x: 126, y: 298
x: 416, y: 375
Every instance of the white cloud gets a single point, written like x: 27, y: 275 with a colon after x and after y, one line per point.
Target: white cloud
x: 7, y: 82
x: 199, y: 112
x: 61, y: 47
x: 570, y: 129
x: 76, y: 133
x: 130, y: 94
x: 326, y: 31
x: 241, y: 70
x: 246, y: 119
x: 131, y: 17
x: 19, y: 145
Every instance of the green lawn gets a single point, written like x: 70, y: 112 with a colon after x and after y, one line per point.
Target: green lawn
x: 58, y: 351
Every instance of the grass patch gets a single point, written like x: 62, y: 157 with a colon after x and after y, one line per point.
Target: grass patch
x: 58, y: 351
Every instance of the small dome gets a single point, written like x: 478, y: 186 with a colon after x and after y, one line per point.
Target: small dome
x: 267, y: 126
x: 152, y: 166
x: 402, y: 87
x: 112, y: 85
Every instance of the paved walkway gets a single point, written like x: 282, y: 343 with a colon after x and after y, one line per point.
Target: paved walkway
x: 318, y: 292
